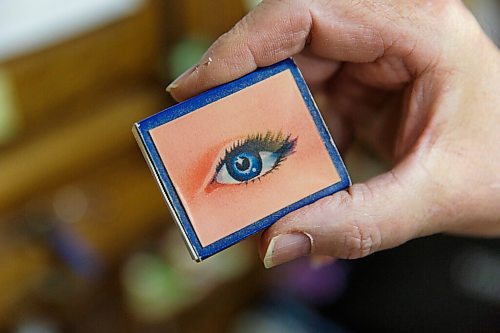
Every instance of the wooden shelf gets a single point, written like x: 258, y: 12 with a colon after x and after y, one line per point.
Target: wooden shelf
x: 73, y: 146
x: 46, y: 84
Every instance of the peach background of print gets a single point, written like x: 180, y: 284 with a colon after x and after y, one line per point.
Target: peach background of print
x: 192, y: 145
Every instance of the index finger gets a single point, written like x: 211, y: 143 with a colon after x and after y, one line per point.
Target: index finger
x: 276, y: 30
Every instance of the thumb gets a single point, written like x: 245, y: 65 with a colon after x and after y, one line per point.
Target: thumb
x: 384, y: 212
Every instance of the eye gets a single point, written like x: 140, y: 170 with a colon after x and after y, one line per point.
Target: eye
x: 253, y: 157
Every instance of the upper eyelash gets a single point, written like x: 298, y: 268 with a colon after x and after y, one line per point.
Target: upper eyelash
x: 269, y: 141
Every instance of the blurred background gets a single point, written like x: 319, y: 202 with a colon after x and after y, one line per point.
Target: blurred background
x: 86, y: 242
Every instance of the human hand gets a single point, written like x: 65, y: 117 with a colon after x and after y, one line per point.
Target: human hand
x: 418, y: 80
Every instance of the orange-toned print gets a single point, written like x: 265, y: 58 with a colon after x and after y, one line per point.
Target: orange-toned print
x: 192, y: 146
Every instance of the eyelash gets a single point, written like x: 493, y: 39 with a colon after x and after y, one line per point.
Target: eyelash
x: 270, y: 142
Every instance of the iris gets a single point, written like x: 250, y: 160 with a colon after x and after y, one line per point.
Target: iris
x: 244, y: 166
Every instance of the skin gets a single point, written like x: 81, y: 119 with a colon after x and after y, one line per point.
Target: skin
x: 417, y: 80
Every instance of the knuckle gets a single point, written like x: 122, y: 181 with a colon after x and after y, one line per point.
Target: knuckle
x: 361, y: 236
x: 360, y: 241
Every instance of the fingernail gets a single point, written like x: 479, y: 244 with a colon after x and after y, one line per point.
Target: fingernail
x: 284, y: 248
x: 181, y: 78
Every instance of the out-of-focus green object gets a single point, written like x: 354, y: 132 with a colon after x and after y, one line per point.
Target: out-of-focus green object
x: 159, y: 285
x: 186, y: 53
x: 154, y: 291
x: 9, y: 122
x: 225, y: 266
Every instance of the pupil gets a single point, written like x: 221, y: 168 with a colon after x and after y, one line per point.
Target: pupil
x: 243, y: 163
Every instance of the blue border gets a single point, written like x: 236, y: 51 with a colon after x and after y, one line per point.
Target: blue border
x: 143, y: 127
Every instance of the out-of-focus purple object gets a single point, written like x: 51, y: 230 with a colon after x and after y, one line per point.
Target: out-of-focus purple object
x: 316, y: 285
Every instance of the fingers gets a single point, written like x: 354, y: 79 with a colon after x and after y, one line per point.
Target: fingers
x: 379, y: 214
x: 276, y: 30
x: 273, y: 31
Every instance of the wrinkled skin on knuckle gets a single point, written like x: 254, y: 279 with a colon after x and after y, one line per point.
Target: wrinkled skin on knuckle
x: 419, y: 31
x: 362, y: 236
x: 347, y: 233
x: 359, y: 241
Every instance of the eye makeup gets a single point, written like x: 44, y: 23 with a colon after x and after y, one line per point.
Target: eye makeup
x: 235, y: 159
x: 253, y: 157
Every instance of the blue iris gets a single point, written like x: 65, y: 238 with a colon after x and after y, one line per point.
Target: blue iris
x: 244, y: 166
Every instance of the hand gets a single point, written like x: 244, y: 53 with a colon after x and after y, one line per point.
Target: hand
x: 419, y: 80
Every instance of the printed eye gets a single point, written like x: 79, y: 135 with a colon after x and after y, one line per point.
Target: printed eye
x: 253, y: 157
